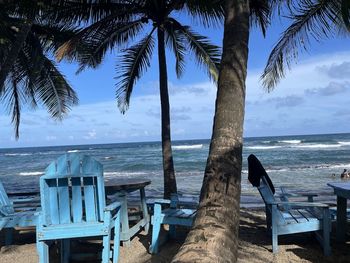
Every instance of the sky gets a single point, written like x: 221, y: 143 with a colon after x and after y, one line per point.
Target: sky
x: 311, y: 99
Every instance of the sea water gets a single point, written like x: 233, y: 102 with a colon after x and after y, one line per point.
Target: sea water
x: 304, y: 162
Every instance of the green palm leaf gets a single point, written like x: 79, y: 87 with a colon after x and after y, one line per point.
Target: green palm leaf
x: 319, y: 20
x: 53, y: 91
x: 260, y: 14
x: 345, y: 12
x: 69, y: 12
x: 206, y: 54
x: 207, y: 13
x: 12, y: 98
x: 90, y: 45
x: 175, y: 41
x: 135, y: 61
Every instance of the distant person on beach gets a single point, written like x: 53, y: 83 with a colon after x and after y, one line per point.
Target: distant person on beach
x: 344, y: 174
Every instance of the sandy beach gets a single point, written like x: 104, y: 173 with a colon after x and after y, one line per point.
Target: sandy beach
x: 254, y: 246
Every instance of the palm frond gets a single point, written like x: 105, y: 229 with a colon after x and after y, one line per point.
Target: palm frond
x: 260, y: 14
x: 12, y: 97
x: 176, y: 42
x: 135, y: 61
x: 13, y: 52
x: 345, y: 12
x: 317, y: 20
x: 87, y: 12
x: 208, y: 13
x: 52, y: 36
x: 207, y: 55
x: 52, y: 89
x: 90, y: 45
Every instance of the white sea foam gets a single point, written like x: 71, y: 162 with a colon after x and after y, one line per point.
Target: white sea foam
x: 291, y: 141
x: 258, y: 147
x: 123, y: 174
x: 344, y: 143
x: 30, y: 173
x: 17, y: 154
x: 73, y: 151
x: 312, y: 146
x: 187, y: 147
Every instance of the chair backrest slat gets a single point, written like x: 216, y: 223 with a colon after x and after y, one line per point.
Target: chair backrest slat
x: 90, y: 200
x: 77, y: 200
x: 74, y: 187
x: 6, y: 207
x: 268, y: 197
x: 63, y: 200
x: 53, y: 201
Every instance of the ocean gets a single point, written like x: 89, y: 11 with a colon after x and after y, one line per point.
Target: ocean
x: 304, y: 162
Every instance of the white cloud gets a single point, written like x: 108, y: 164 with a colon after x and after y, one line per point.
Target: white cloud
x: 310, y: 91
x: 103, y: 123
x: 297, y: 105
x: 51, y: 138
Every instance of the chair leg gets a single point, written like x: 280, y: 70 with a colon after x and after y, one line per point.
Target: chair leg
x: 116, y: 238
x: 106, y: 247
x: 8, y: 236
x: 125, y: 221
x: 65, y: 250
x: 144, y: 209
x: 274, y: 229
x: 156, y: 229
x: 326, y: 232
x: 43, y: 251
x: 172, y: 231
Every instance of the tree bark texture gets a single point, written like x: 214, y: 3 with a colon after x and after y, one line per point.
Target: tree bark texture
x: 168, y: 163
x: 214, y: 235
x: 16, y: 47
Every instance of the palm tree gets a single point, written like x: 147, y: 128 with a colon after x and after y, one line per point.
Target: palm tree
x: 124, y: 22
x: 27, y: 75
x: 214, y: 235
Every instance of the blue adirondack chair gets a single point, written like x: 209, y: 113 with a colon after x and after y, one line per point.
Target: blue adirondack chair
x: 172, y: 216
x: 285, y: 217
x: 16, y: 213
x: 73, y: 206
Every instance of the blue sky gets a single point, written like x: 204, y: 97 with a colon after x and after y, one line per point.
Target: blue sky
x: 313, y: 98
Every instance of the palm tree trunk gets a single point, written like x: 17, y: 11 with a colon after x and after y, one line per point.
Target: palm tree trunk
x: 168, y: 164
x: 14, y: 51
x: 214, y: 236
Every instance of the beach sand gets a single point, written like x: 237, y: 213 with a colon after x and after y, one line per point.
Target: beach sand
x: 254, y: 246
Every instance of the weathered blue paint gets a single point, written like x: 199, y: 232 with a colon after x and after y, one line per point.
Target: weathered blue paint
x: 73, y: 206
x: 285, y: 217
x: 173, y: 216
x: 16, y: 213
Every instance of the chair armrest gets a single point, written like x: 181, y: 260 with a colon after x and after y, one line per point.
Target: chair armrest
x: 300, y: 204
x: 285, y: 193
x: 112, y: 206
x: 161, y: 201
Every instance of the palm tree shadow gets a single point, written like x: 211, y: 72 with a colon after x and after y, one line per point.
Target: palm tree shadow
x: 169, y: 246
